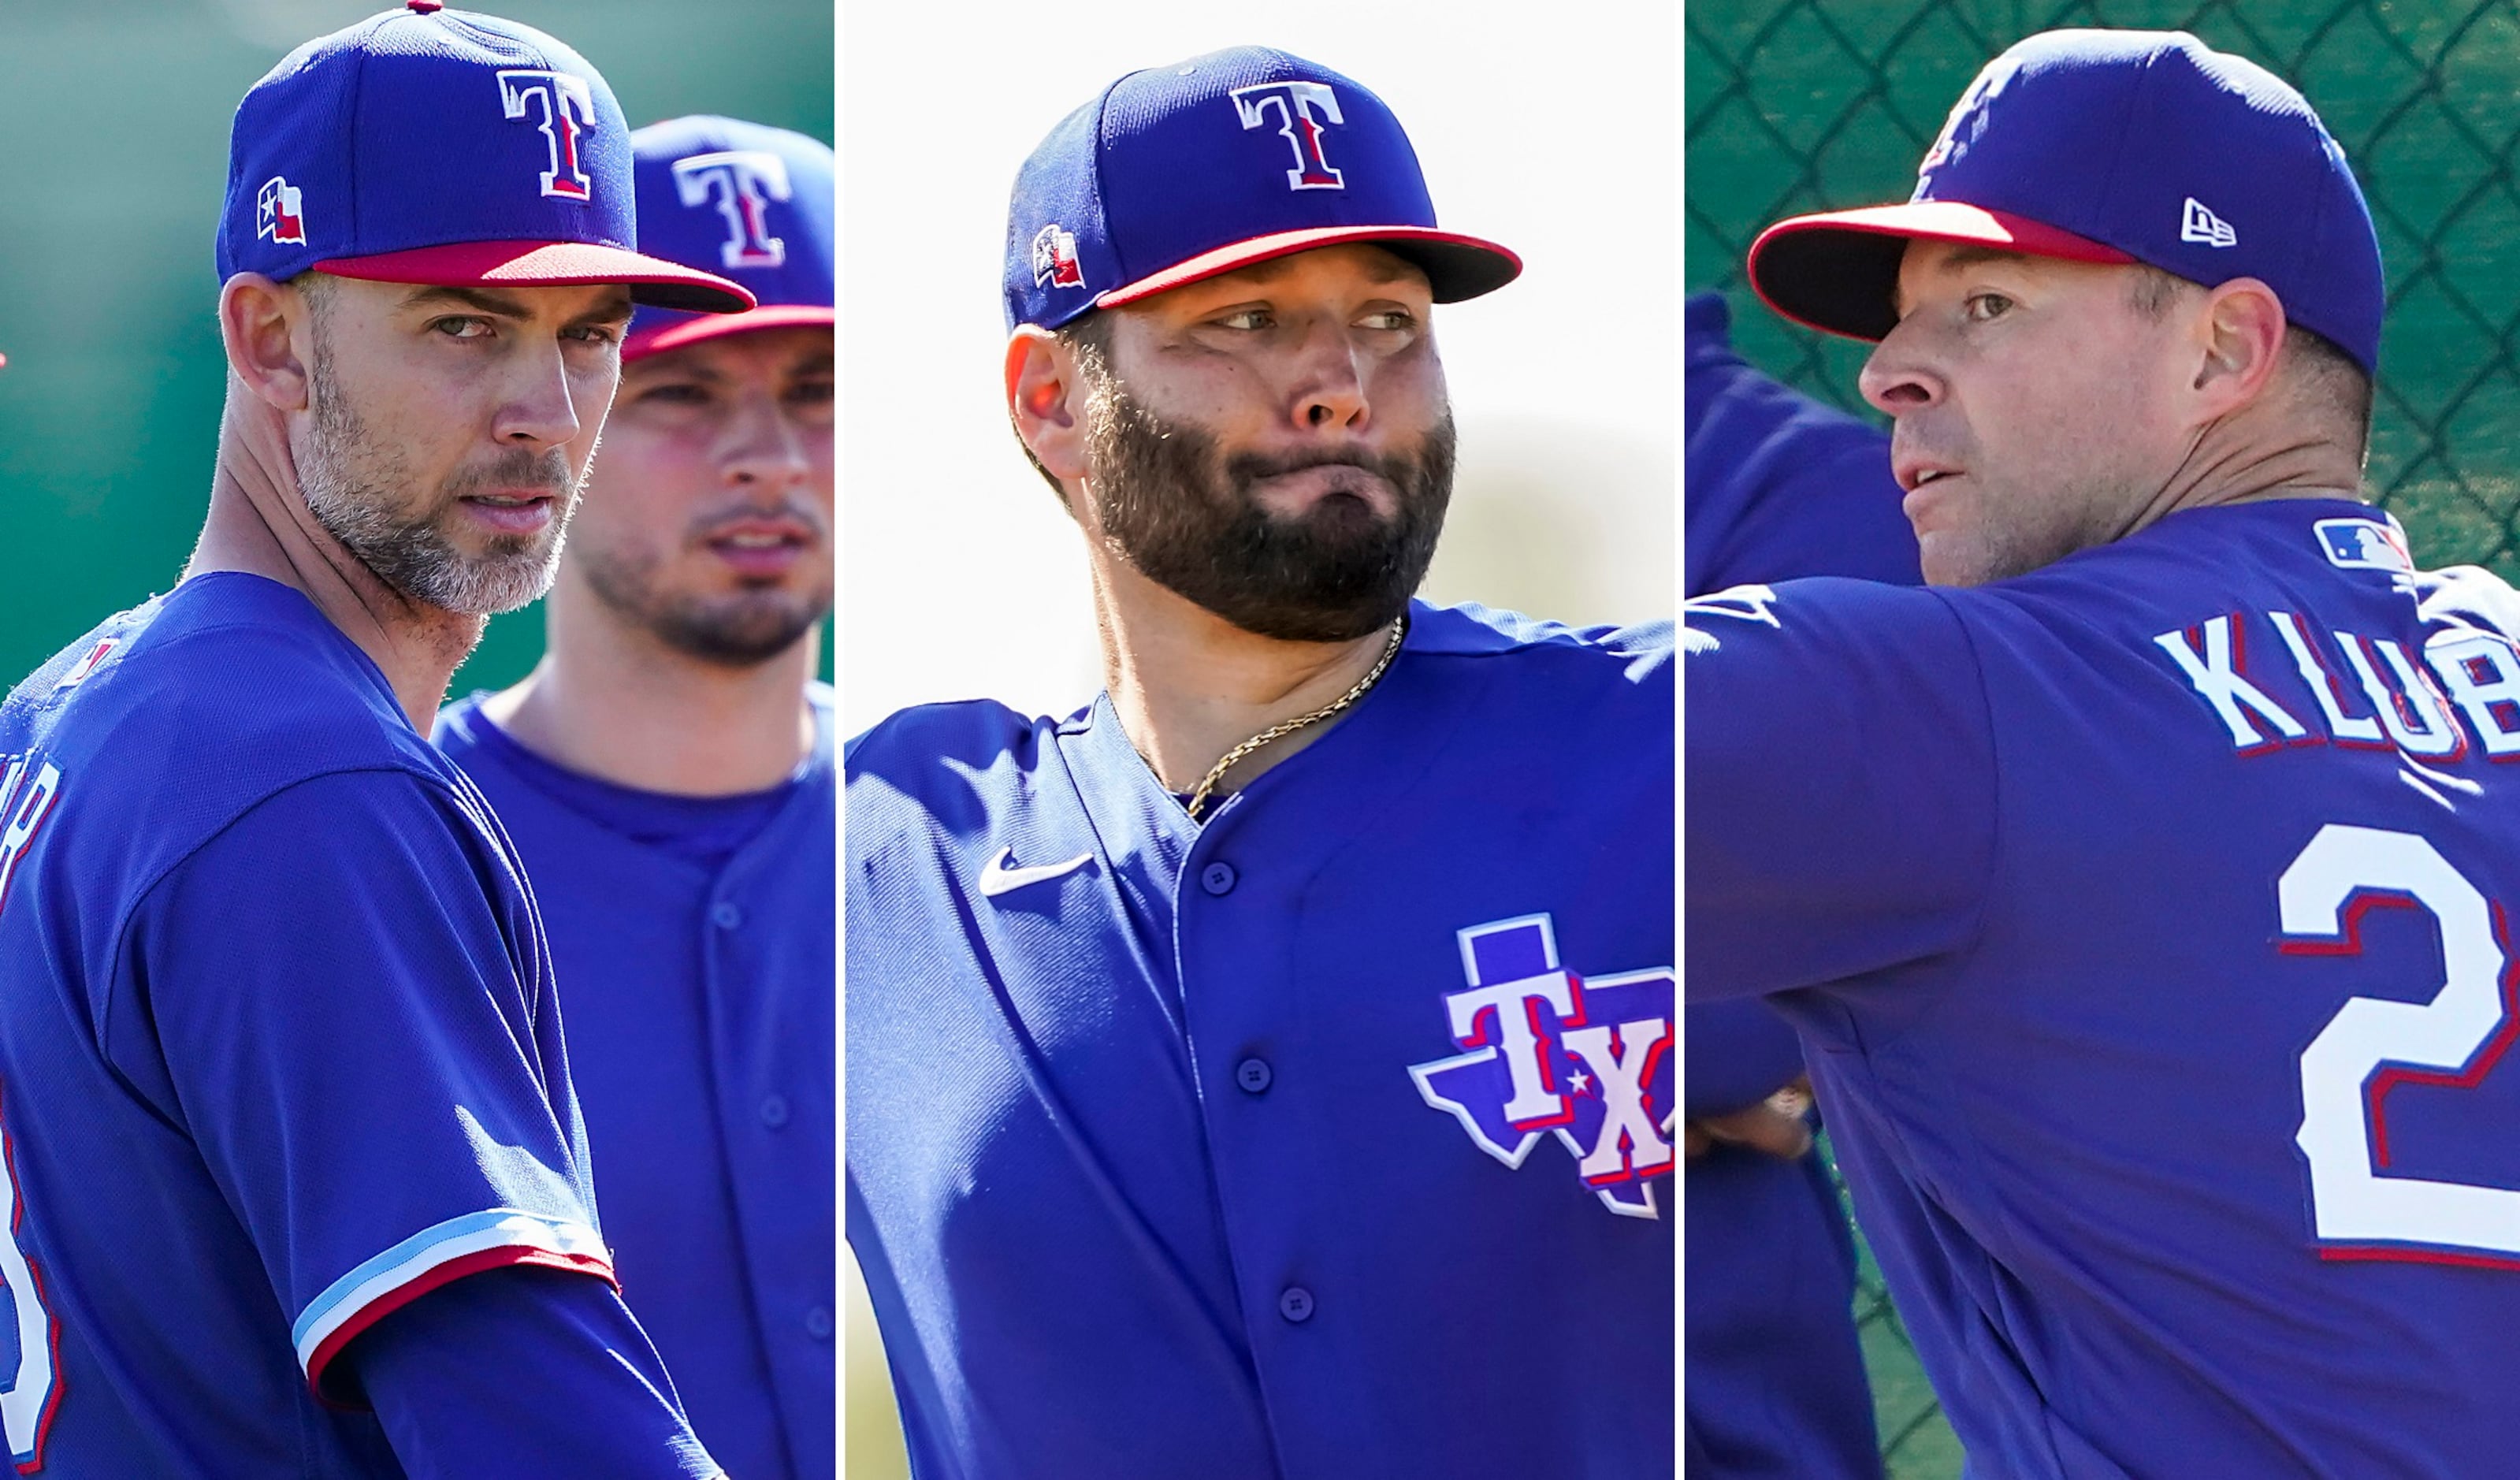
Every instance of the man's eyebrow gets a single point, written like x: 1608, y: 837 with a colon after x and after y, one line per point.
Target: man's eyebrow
x: 470, y: 297
x: 1381, y: 267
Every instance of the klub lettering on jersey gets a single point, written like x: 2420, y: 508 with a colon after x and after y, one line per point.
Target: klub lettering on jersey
x: 2348, y: 689
x: 30, y: 784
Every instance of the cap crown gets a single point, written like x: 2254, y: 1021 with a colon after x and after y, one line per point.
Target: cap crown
x: 423, y: 128
x: 2203, y: 164
x: 748, y: 202
x: 1176, y: 162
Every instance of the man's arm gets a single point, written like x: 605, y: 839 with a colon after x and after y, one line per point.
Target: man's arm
x: 348, y: 995
x: 1840, y: 785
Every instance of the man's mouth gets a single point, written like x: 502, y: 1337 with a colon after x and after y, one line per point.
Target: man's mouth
x: 514, y: 512
x: 761, y: 549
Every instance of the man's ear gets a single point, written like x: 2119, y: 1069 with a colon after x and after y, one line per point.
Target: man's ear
x: 1045, y: 400
x: 260, y: 323
x: 2237, y: 333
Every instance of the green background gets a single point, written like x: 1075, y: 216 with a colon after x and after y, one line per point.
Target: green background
x: 1807, y: 104
x: 115, y: 117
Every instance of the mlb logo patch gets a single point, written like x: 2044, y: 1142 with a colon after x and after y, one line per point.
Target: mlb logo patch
x: 2365, y: 545
x: 279, y: 216
x: 1053, y: 260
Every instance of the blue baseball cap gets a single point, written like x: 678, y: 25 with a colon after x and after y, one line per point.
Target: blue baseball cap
x: 2110, y: 145
x: 1183, y: 172
x: 440, y: 147
x: 753, y: 203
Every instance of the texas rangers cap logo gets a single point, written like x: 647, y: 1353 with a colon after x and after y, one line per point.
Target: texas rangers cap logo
x: 1584, y: 1058
x: 741, y: 184
x: 278, y: 216
x: 562, y: 106
x: 1053, y: 260
x: 1300, y: 109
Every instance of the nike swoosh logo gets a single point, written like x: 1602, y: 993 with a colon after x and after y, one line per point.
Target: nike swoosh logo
x: 997, y: 879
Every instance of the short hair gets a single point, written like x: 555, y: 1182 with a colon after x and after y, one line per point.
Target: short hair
x: 2320, y: 372
x: 1088, y: 338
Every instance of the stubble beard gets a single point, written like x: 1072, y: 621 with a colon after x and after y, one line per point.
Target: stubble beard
x: 359, y: 488
x: 742, y: 630
x: 1187, y: 519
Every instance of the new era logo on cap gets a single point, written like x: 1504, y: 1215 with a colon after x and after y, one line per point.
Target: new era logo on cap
x: 2198, y: 224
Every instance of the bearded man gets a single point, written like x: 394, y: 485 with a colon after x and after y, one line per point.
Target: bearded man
x: 1264, y: 1072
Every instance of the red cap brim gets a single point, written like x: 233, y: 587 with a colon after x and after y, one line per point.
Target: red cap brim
x: 1457, y: 266
x: 1838, y: 271
x: 682, y: 332
x: 652, y: 281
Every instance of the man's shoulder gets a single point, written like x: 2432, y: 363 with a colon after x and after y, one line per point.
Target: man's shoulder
x: 1622, y: 656
x: 958, y: 756
x: 187, y: 710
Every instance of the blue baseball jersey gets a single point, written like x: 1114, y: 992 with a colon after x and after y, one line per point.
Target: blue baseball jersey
x: 279, y: 1056
x: 696, y: 949
x: 1778, y: 486
x: 1332, y: 1137
x: 2144, y: 921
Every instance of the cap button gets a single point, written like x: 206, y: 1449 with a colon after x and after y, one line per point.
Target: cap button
x: 424, y: 6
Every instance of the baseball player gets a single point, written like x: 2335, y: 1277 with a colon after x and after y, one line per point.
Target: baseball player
x: 1777, y: 485
x: 666, y: 774
x: 296, y: 1182
x: 2138, y: 893
x: 1264, y: 1070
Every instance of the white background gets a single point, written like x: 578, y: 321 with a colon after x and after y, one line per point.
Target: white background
x: 1553, y: 130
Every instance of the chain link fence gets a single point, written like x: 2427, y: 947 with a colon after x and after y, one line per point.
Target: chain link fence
x: 1807, y: 104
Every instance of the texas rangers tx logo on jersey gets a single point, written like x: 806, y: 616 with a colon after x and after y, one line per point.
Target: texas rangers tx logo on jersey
x: 741, y: 182
x: 1300, y: 107
x: 562, y: 106
x: 1586, y: 1059
x: 279, y: 216
x: 1053, y: 260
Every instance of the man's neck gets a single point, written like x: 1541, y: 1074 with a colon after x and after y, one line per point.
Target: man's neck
x: 1189, y: 686
x: 259, y: 523
x: 612, y: 702
x: 2250, y: 457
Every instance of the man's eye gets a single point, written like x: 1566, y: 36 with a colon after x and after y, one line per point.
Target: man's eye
x: 812, y: 393
x: 460, y: 328
x: 1982, y: 306
x: 594, y: 334
x: 1394, y: 319
x: 675, y: 393
x: 1247, y: 318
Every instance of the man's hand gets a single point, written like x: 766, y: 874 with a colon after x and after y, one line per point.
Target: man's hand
x: 1778, y: 1125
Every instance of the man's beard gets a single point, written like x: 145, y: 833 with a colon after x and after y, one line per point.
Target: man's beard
x: 1189, y: 521
x: 741, y: 630
x: 357, y: 487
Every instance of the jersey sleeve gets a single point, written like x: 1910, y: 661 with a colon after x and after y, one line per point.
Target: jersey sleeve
x: 1839, y: 810
x: 347, y: 991
x: 468, y: 1380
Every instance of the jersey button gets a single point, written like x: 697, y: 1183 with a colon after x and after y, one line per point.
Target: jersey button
x: 774, y: 1111
x: 818, y: 1324
x: 1217, y: 878
x: 1253, y: 1075
x: 726, y: 915
x: 1295, y: 1303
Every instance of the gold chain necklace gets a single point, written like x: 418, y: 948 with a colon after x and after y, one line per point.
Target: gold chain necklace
x: 1280, y: 731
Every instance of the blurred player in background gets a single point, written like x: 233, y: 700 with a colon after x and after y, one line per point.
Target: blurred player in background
x: 290, y: 1128
x: 1265, y: 1071
x: 667, y: 773
x: 1777, y: 486
x: 2139, y: 889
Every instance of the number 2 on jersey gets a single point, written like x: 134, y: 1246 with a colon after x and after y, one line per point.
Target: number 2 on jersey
x: 2453, y: 1040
